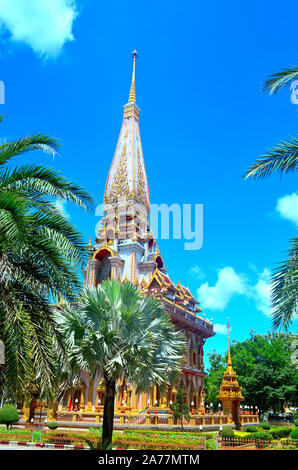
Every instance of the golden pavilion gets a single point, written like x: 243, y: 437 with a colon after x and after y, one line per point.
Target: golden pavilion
x: 230, y: 390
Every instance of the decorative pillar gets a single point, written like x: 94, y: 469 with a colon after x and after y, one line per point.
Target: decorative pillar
x: 155, y: 396
x: 52, y: 411
x: 69, y: 406
x: 93, y: 267
x: 26, y: 412
x: 82, y: 402
x: 90, y: 394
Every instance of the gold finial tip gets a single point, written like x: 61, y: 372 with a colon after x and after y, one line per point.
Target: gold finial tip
x: 132, y: 94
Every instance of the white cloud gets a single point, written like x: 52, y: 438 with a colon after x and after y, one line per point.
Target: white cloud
x: 262, y: 292
x: 197, y: 272
x: 228, y: 284
x: 44, y: 25
x: 287, y: 207
x: 221, y: 328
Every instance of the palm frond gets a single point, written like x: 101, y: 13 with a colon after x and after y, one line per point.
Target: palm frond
x: 285, y: 290
x: 40, y: 254
x: 279, y: 80
x: 280, y: 159
x: 26, y: 144
x: 35, y: 180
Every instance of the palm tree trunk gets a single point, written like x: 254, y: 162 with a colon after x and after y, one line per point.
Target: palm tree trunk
x: 108, y: 414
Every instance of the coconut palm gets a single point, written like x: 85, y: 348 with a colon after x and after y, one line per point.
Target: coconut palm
x: 40, y: 253
x: 118, y: 334
x: 280, y: 160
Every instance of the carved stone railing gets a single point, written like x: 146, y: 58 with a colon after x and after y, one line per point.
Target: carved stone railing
x: 151, y: 418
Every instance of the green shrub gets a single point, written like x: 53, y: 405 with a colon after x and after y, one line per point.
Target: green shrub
x: 262, y: 439
x: 262, y: 435
x: 37, y: 436
x: 279, y: 432
x: 9, y: 415
x: 296, y: 423
x: 227, y: 432
x: 252, y: 428
x: 265, y: 426
x: 53, y: 425
x: 211, y: 444
x: 289, y: 443
x: 160, y: 440
x: 243, y: 434
x: 294, y: 434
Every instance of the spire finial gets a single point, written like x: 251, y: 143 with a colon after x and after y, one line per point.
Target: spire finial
x: 132, y: 94
x: 229, y: 349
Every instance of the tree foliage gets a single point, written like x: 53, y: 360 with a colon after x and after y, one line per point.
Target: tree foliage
x: 117, y: 334
x: 9, y: 415
x: 180, y: 408
x: 40, y: 253
x: 281, y: 159
x: 264, y: 369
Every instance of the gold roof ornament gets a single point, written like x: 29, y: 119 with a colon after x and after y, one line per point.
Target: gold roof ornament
x: 230, y: 388
x: 230, y: 368
x: 90, y: 244
x: 144, y: 283
x: 101, y: 385
x: 132, y: 94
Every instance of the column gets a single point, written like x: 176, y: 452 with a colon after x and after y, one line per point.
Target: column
x: 82, y: 403
x: 93, y: 267
x: 90, y: 394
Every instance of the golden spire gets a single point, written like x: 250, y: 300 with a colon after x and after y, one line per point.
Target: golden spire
x: 229, y: 348
x: 230, y: 389
x: 132, y: 94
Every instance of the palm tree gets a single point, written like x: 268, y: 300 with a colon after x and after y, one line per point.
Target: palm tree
x: 40, y: 253
x: 279, y: 160
x: 117, y: 333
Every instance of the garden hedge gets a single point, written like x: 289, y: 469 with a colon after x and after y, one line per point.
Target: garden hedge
x: 9, y: 415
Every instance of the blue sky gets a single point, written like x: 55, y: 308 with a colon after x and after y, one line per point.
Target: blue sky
x: 203, y: 121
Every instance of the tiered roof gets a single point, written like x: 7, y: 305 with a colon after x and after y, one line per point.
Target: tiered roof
x: 179, y: 301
